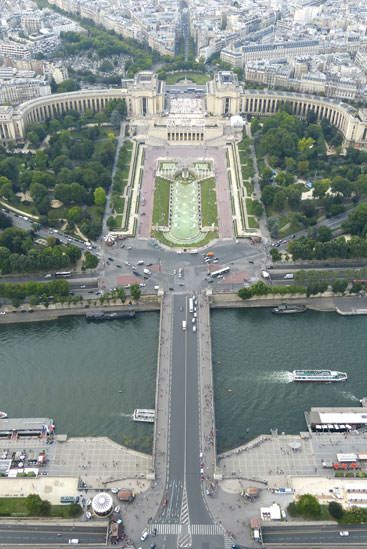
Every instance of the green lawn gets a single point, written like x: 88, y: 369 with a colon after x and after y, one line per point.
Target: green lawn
x: 209, y: 213
x: 211, y: 235
x: 247, y: 170
x: 197, y: 78
x: 161, y: 202
x: 17, y: 507
x: 246, y: 164
x: 252, y: 222
x: 118, y: 204
x: 13, y: 506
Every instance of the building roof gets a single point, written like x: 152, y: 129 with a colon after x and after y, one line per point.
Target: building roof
x: 354, y: 416
x: 25, y: 424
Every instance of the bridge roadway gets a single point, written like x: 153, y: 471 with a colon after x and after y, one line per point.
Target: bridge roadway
x: 183, y: 519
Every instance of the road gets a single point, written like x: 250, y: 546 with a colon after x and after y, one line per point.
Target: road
x: 40, y: 534
x: 183, y: 519
x: 309, y: 535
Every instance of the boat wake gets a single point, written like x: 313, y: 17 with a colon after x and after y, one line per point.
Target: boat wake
x: 349, y: 396
x: 125, y: 415
x: 279, y: 377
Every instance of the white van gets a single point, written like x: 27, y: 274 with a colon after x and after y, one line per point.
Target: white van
x: 265, y: 275
x: 184, y: 325
x: 289, y: 276
x: 73, y: 541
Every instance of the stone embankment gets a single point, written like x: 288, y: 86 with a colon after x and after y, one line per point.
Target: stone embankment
x: 56, y: 311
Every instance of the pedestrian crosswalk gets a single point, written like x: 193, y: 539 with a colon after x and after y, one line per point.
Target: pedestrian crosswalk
x: 184, y: 539
x: 228, y: 542
x: 165, y: 529
x: 206, y: 530
x: 188, y: 530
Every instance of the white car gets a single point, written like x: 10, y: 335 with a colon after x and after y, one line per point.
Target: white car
x: 344, y: 533
x: 115, y: 490
x: 117, y: 509
x: 144, y: 535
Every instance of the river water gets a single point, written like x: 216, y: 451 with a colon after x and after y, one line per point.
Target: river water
x: 252, y: 352
x: 89, y: 377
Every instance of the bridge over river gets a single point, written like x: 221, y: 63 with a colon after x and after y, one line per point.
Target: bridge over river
x: 184, y: 444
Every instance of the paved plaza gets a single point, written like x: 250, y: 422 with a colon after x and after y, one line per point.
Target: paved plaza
x: 98, y: 461
x: 270, y: 457
x: 273, y: 459
x: 187, y: 154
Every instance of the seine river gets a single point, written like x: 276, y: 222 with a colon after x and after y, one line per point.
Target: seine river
x: 252, y: 352
x: 90, y: 377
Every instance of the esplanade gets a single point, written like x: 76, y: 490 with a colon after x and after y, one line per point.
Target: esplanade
x: 146, y: 98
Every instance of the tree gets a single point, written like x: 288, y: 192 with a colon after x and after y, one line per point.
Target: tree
x: 324, y: 234
x: 309, y: 507
x: 305, y: 143
x: 257, y: 208
x: 69, y: 85
x: 100, y: 197
x: 357, y: 221
x: 115, y: 119
x: 275, y: 254
x: 39, y: 194
x: 36, y: 506
x: 279, y: 200
x: 268, y: 194
x: 5, y: 221
x: 339, y: 286
x: 90, y: 261
x: 266, y: 174
x: 74, y: 215
x: 335, y: 510
x: 341, y: 185
x: 121, y: 294
x: 40, y: 160
x: 106, y: 66
x: 135, y: 292
x: 112, y: 223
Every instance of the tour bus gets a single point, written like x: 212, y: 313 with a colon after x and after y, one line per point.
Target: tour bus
x: 69, y: 499
x: 63, y: 274
x: 191, y: 305
x: 223, y: 271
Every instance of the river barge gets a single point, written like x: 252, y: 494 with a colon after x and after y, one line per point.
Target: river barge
x: 101, y: 316
x: 325, y: 376
x: 285, y: 309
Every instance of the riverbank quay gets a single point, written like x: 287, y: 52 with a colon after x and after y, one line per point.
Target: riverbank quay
x: 347, y: 305
x: 57, y: 311
x: 343, y: 305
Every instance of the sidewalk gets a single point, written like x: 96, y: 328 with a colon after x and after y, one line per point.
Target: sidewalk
x: 140, y: 513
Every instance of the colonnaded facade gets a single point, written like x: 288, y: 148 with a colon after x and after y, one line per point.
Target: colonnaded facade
x: 146, y: 99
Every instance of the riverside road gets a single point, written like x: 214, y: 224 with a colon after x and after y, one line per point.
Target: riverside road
x: 183, y: 519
